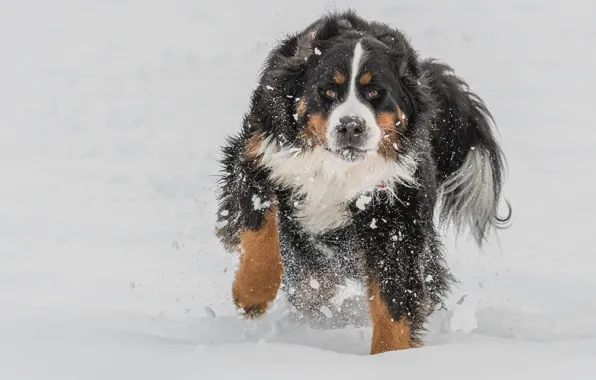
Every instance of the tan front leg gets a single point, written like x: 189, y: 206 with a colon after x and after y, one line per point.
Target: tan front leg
x: 388, y: 334
x: 259, y: 275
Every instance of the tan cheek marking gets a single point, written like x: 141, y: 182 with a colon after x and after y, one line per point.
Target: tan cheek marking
x: 259, y: 275
x: 315, y: 130
x: 339, y: 78
x: 386, y: 122
x: 365, y: 78
x: 388, y: 334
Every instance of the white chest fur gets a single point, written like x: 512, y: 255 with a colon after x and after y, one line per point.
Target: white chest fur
x: 326, y: 184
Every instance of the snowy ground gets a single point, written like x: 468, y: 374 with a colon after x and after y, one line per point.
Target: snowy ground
x: 110, y: 117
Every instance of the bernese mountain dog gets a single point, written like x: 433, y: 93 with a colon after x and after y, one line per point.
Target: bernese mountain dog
x: 351, y: 146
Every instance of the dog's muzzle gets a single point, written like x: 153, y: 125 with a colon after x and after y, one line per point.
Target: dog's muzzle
x: 351, y: 132
x: 350, y: 138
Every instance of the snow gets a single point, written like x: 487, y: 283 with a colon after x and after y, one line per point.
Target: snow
x: 464, y: 316
x: 362, y: 201
x: 111, y: 116
x: 326, y: 311
x: 258, y: 204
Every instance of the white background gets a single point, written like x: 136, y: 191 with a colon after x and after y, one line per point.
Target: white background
x: 111, y: 115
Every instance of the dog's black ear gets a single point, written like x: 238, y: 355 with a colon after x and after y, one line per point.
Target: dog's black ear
x: 305, y: 46
x: 286, y: 64
x: 318, y: 34
x: 299, y: 47
x: 282, y: 83
x: 406, y: 68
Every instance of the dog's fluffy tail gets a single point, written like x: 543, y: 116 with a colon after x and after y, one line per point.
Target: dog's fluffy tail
x: 470, y: 162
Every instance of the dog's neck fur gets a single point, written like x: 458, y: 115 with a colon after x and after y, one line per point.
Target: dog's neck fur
x: 324, y: 184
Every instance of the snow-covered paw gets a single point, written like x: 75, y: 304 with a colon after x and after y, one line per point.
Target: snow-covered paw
x: 251, y: 311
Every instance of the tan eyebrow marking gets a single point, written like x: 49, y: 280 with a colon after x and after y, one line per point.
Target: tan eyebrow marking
x: 339, y: 78
x: 365, y: 78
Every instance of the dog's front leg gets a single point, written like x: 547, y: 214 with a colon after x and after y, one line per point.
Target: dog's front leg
x: 259, y: 276
x: 405, y: 275
x: 405, y: 279
x: 392, y: 328
x: 247, y: 223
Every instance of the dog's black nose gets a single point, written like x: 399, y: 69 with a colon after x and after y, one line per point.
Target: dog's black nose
x: 350, y: 130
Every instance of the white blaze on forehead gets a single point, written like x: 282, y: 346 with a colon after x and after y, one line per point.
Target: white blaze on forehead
x: 354, y: 107
x: 356, y: 60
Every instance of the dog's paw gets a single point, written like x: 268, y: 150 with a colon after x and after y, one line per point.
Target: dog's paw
x: 251, y: 310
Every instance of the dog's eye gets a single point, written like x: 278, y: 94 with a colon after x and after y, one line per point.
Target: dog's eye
x: 372, y: 93
x: 329, y: 93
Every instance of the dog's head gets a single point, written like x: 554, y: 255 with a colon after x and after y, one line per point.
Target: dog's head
x: 350, y: 101
x: 349, y: 87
